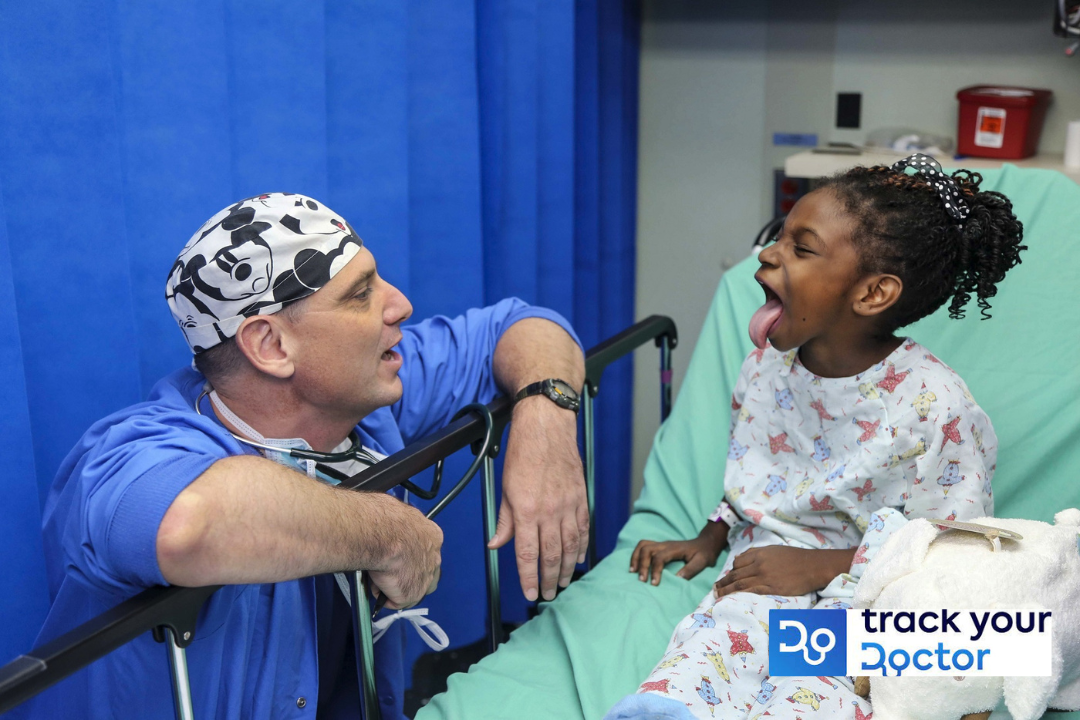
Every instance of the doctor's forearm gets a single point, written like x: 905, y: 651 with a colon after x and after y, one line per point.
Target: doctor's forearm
x: 249, y: 520
x: 536, y: 349
x: 544, y: 507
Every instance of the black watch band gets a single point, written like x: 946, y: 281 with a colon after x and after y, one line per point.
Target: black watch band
x: 556, y: 390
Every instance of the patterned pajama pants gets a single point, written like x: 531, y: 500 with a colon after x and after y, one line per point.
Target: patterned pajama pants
x: 717, y: 665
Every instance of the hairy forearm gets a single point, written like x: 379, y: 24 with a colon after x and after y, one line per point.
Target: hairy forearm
x: 536, y: 349
x: 249, y: 520
x: 544, y: 506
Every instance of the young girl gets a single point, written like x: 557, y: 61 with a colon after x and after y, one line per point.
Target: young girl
x: 840, y: 429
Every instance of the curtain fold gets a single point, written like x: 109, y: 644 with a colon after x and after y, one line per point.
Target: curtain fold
x: 481, y: 148
x: 22, y: 573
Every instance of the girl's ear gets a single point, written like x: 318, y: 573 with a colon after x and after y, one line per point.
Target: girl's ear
x: 875, y: 294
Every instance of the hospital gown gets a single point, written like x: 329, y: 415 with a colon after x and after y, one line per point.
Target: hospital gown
x: 823, y: 463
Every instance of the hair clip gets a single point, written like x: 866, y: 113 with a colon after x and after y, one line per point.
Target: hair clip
x: 944, y: 185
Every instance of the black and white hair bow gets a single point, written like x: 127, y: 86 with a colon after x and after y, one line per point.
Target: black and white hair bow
x: 944, y: 185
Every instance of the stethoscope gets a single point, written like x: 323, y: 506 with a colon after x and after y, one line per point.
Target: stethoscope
x: 356, y: 452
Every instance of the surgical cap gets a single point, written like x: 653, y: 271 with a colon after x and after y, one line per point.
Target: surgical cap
x: 253, y: 258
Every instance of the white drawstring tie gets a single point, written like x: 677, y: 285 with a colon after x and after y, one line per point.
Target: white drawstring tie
x: 428, y: 630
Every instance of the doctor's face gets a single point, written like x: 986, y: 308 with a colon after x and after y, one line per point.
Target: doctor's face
x: 343, y: 342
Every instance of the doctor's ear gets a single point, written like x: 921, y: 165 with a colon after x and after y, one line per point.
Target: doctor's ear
x: 264, y: 340
x: 874, y: 294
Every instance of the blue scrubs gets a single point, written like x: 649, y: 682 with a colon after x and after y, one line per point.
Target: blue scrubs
x: 256, y: 653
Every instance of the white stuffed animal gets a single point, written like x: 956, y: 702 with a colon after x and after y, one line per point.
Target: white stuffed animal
x: 922, y: 566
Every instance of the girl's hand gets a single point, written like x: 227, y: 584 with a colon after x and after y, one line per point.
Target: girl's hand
x: 650, y: 557
x: 783, y: 570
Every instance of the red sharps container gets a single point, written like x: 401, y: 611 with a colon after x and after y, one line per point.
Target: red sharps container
x: 1001, y: 122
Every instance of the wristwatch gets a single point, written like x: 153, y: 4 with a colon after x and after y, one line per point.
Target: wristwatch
x: 558, y: 391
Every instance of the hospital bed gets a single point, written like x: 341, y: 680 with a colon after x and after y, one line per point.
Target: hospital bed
x: 171, y: 613
x: 597, y: 640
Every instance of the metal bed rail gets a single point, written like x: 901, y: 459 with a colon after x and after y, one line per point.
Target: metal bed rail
x: 170, y: 613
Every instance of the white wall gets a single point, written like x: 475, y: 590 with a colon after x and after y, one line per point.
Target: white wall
x: 702, y: 100
x: 718, y: 78
x: 909, y: 70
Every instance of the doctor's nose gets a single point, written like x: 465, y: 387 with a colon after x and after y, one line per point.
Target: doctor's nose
x: 397, y: 309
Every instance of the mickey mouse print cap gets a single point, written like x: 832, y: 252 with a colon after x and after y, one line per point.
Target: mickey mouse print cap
x: 253, y: 258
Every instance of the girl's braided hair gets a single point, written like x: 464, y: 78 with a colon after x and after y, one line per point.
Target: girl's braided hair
x: 902, y: 229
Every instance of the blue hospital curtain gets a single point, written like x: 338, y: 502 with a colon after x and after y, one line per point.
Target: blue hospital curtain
x: 482, y: 148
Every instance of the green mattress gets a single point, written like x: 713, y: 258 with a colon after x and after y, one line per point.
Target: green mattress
x: 601, y: 637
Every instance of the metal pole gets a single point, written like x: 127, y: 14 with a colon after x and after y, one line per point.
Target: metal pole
x: 665, y: 379
x: 492, y: 556
x: 365, y: 648
x: 181, y: 684
x: 590, y: 468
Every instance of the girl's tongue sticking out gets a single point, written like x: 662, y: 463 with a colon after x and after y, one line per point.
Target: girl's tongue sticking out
x: 765, y: 319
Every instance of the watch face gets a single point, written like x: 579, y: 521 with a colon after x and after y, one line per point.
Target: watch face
x: 563, y: 395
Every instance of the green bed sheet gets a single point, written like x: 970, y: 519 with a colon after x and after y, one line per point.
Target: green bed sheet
x: 600, y: 637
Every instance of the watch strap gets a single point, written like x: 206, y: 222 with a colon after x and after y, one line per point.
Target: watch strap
x: 549, y: 389
x: 536, y: 388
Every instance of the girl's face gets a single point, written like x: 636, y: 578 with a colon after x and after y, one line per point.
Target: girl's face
x: 812, y: 270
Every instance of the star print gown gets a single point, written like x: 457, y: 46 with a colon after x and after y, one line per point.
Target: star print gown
x: 823, y: 463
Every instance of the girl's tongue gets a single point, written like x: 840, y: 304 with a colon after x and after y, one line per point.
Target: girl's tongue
x: 764, y: 320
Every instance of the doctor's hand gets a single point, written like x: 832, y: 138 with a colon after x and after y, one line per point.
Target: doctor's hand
x: 544, y: 505
x: 783, y: 570
x: 410, y: 567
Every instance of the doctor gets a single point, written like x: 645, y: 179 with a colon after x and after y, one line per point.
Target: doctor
x: 305, y: 373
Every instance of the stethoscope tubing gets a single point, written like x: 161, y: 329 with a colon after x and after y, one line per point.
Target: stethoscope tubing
x: 356, y: 452
x: 478, y: 461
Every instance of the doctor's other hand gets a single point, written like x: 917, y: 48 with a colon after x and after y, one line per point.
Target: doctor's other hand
x: 650, y: 557
x: 410, y: 566
x: 544, y: 505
